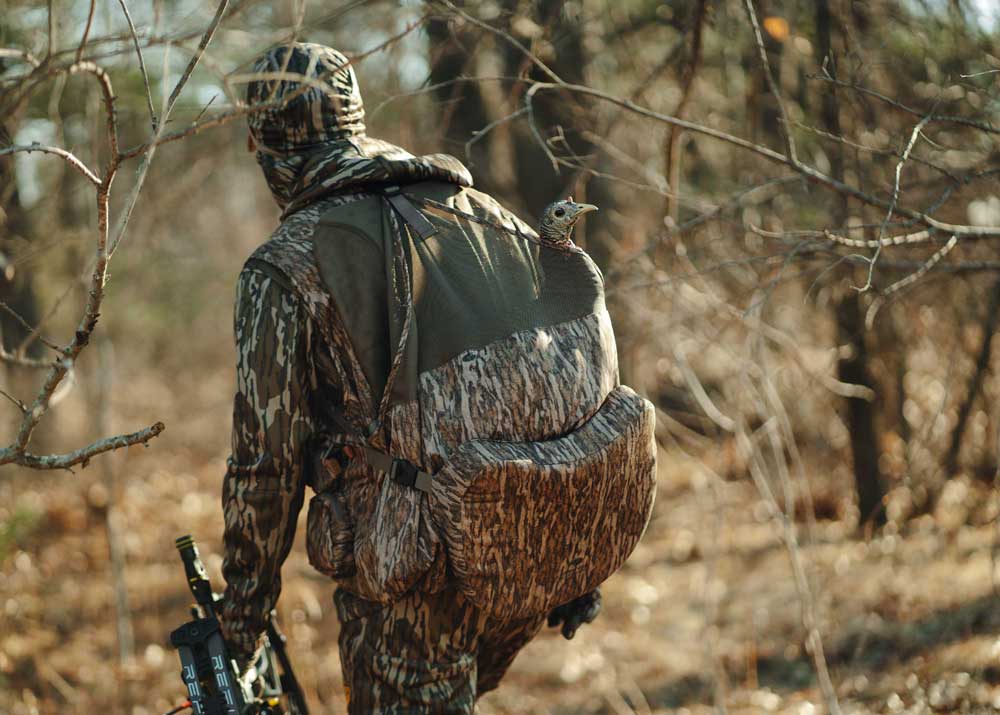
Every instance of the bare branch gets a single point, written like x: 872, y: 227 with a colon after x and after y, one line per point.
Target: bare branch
x: 947, y: 118
x: 83, y: 455
x: 205, y: 39
x: 978, y: 74
x: 86, y: 31
x: 22, y: 55
x: 69, y: 158
x: 892, y: 203
x: 12, y: 359
x: 901, y: 240
x: 25, y: 324
x: 507, y: 37
x: 17, y: 402
x: 142, y: 62
x: 805, y: 170
x: 476, y: 136
x: 52, y: 30
x: 908, y: 281
x: 428, y: 88
x: 873, y: 150
x: 150, y: 148
x: 699, y: 393
x: 672, y: 161
x: 108, y: 95
x: 241, y: 111
x: 36, y: 332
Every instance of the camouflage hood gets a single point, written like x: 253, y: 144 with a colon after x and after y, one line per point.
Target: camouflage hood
x: 314, y: 144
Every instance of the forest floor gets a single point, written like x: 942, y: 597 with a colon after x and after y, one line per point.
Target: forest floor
x: 704, y: 618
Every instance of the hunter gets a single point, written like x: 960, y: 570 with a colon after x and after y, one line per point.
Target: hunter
x: 352, y: 349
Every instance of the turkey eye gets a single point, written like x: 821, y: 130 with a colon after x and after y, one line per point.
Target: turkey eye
x: 560, y: 212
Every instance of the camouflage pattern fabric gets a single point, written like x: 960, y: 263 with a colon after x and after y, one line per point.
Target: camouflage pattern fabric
x: 567, y: 512
x: 311, y: 139
x: 425, y: 653
x: 308, y: 385
x: 272, y: 422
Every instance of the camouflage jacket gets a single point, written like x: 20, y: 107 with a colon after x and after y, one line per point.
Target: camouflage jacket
x: 297, y: 368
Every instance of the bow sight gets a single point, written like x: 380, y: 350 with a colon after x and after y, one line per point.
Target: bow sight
x: 214, y: 685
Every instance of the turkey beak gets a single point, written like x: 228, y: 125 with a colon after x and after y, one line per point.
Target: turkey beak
x: 585, y: 208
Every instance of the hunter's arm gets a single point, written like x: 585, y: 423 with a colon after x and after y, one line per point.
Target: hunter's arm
x: 272, y: 423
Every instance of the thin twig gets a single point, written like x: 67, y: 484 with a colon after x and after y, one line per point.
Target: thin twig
x: 892, y: 203
x: 908, y: 281
x: 757, y: 466
x: 17, y: 402
x: 150, y: 148
x: 205, y: 39
x: 26, y: 325
x: 83, y: 455
x: 874, y: 150
x: 22, y: 55
x: 481, y: 133
x: 11, y: 359
x: 428, y: 88
x: 86, y: 31
x: 241, y: 111
x: 528, y: 54
x: 52, y: 30
x: 978, y: 74
x: 142, y: 63
x: 734, y: 202
x: 809, y: 172
x: 71, y: 159
x: 947, y: 118
x: 35, y: 333
x: 672, y: 160
x: 786, y: 126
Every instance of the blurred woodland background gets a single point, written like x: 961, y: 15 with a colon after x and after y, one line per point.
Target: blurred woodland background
x: 804, y: 279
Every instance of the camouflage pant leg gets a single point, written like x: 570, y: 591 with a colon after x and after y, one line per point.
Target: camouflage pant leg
x: 423, y: 654
x: 498, y: 646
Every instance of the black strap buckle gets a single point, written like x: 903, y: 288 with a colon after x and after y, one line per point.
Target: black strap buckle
x: 403, y: 472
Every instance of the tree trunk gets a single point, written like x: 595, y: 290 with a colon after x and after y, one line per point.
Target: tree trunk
x: 672, y: 164
x: 976, y: 383
x: 15, y: 285
x: 849, y: 315
x: 559, y: 116
x: 463, y: 109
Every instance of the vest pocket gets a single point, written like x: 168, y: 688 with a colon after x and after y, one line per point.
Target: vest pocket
x: 529, y: 526
x: 330, y: 535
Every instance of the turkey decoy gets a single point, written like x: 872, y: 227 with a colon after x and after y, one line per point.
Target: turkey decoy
x: 558, y: 220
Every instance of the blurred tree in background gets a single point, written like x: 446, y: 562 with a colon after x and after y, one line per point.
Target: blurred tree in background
x: 799, y: 218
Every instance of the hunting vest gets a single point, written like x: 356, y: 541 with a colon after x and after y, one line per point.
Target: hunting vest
x: 488, y: 441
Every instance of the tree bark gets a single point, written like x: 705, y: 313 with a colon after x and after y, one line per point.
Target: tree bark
x: 16, y: 289
x: 672, y: 164
x: 556, y: 113
x: 463, y: 109
x: 976, y: 382
x: 849, y: 316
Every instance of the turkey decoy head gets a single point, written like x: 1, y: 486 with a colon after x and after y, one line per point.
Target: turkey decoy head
x: 559, y: 218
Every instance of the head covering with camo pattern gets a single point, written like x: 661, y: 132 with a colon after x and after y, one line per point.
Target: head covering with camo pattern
x: 310, y: 132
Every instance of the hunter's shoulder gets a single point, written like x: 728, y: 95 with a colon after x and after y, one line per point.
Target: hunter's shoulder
x: 289, y: 249
x: 291, y: 241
